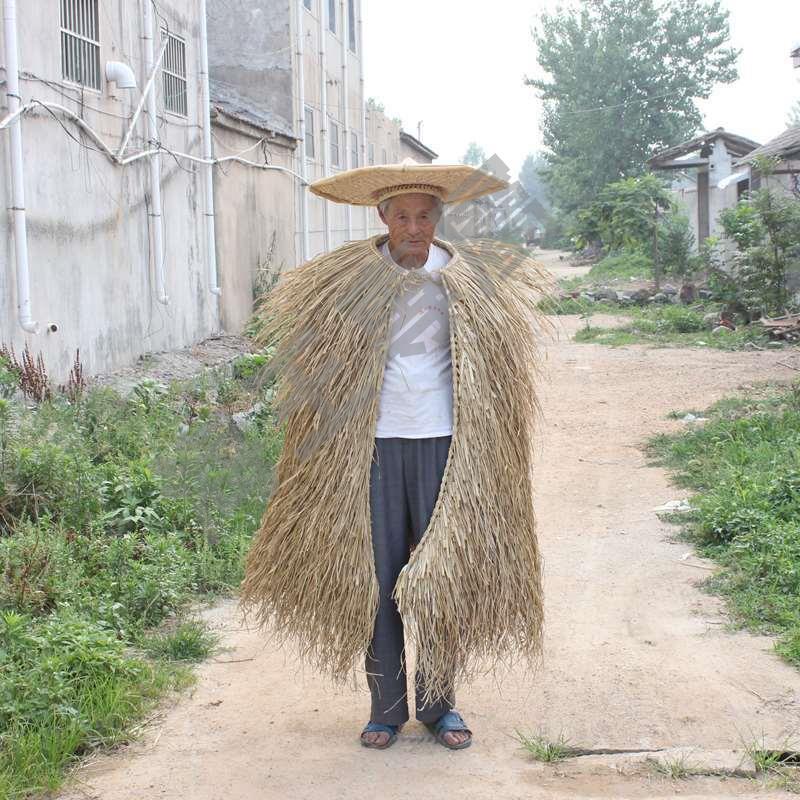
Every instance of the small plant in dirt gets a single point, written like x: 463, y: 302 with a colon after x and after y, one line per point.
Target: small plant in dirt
x: 541, y: 748
x: 674, y: 769
x: 189, y: 641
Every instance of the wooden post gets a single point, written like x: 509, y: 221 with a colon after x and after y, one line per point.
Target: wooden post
x: 656, y: 265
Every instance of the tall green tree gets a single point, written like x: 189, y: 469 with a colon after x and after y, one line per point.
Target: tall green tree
x: 475, y: 155
x: 621, y: 82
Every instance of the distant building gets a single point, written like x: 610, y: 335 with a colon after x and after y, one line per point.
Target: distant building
x: 705, y: 179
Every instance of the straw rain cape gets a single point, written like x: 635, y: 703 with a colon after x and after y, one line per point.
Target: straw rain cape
x: 471, y: 592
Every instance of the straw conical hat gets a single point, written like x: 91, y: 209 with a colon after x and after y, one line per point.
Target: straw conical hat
x: 368, y: 186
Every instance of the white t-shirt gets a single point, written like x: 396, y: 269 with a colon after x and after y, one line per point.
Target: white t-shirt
x: 417, y: 393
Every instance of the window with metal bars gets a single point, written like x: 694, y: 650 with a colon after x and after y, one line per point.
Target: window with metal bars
x: 80, y: 42
x: 332, y: 16
x: 173, y: 68
x: 351, y: 20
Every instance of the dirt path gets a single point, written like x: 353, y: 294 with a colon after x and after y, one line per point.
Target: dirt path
x: 637, y: 657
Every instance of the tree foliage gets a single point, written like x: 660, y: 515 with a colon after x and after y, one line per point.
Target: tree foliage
x: 624, y: 214
x: 621, y: 81
x: 766, y: 232
x: 475, y: 155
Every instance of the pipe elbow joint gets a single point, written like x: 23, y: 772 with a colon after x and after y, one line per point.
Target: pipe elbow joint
x: 121, y: 74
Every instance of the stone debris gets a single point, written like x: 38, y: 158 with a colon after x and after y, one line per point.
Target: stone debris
x: 674, y: 507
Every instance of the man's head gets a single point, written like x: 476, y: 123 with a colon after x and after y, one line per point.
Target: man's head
x: 411, y: 219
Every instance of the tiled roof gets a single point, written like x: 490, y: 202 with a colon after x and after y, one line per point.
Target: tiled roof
x: 783, y: 146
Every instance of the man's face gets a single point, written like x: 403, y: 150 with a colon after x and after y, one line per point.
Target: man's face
x: 411, y: 219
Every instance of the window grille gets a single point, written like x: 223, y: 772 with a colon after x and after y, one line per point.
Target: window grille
x: 310, y: 148
x: 351, y: 23
x: 383, y: 154
x: 372, y: 154
x: 80, y: 42
x: 334, y: 143
x: 332, y: 15
x: 353, y: 150
x: 174, y: 72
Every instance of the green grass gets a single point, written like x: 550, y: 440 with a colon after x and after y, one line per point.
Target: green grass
x: 621, y: 267
x: 540, y: 748
x: 669, y: 326
x: 744, y: 464
x: 117, y: 514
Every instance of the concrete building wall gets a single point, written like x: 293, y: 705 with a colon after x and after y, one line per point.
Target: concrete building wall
x: 88, y: 226
x: 344, y: 111
x: 255, y: 218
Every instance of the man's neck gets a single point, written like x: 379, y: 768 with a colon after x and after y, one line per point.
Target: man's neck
x: 409, y: 261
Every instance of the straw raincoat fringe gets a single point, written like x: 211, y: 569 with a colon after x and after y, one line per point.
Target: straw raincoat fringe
x: 471, y: 592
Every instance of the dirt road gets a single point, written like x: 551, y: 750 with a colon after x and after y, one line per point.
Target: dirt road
x: 637, y: 657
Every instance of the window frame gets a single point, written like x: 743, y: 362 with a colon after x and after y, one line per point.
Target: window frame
x: 335, y: 153
x: 308, y: 5
x: 371, y: 154
x: 310, y: 134
x: 168, y: 75
x: 80, y: 42
x: 354, y: 160
x: 332, y: 16
x: 352, y: 26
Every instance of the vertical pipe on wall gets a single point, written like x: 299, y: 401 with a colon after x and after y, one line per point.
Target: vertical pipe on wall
x: 324, y: 141
x: 26, y: 321
x: 208, y: 154
x: 155, y: 161
x: 301, y: 100
x: 364, y: 145
x: 344, y: 98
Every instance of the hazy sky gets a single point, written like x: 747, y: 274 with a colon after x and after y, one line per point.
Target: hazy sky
x: 461, y: 72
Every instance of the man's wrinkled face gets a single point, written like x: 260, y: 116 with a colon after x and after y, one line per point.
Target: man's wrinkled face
x: 411, y: 219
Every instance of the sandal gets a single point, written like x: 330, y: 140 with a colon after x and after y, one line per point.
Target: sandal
x: 379, y: 727
x: 447, y: 723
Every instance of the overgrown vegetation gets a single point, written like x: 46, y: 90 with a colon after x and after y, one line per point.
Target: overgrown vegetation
x: 744, y: 465
x: 117, y: 514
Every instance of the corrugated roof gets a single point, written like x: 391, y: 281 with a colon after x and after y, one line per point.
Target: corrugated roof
x: 228, y: 100
x: 784, y: 146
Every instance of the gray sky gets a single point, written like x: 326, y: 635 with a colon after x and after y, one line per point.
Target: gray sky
x: 461, y: 72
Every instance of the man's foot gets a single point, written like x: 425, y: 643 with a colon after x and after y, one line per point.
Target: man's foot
x: 379, y: 736
x: 451, y: 731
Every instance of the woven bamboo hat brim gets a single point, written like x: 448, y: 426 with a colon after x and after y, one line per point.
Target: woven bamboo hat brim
x: 369, y: 186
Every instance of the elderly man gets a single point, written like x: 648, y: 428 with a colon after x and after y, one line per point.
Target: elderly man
x: 403, y: 494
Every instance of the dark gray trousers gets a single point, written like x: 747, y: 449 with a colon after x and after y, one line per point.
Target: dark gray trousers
x: 404, y: 485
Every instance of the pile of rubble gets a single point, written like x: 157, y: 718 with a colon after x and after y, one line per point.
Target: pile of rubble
x: 687, y: 294
x: 786, y: 327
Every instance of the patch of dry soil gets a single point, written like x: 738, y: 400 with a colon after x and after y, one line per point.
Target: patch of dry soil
x: 636, y: 656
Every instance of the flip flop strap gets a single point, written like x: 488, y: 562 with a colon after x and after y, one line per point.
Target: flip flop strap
x: 449, y: 722
x: 379, y: 727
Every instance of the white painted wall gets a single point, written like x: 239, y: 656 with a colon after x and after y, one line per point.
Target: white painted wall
x: 88, y: 225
